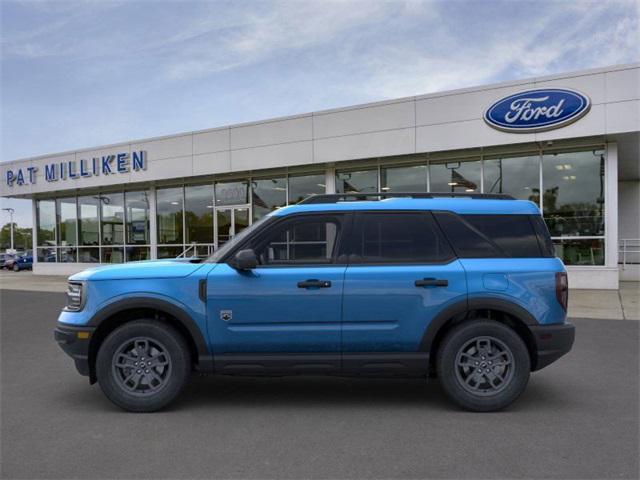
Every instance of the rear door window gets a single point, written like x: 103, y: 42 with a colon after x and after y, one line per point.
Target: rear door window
x: 398, y: 238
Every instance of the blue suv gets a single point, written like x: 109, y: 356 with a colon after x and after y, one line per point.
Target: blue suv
x: 463, y: 287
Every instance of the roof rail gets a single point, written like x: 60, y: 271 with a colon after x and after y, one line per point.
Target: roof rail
x: 359, y: 197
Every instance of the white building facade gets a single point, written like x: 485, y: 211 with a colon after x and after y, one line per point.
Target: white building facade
x: 159, y: 197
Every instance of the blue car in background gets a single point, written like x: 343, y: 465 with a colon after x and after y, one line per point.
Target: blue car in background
x: 465, y: 288
x: 23, y: 262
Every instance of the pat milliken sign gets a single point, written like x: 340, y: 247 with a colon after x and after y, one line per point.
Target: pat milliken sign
x: 537, y: 110
x: 115, y: 164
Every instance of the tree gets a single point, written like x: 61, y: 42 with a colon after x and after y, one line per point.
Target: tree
x: 21, y: 237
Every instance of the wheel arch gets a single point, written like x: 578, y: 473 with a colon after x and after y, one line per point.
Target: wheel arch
x: 503, y: 311
x: 126, y: 310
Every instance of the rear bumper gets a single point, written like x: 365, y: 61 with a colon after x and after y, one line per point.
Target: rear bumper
x: 75, y: 343
x: 552, y: 342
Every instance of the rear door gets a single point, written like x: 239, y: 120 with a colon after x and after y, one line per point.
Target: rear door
x: 401, y: 274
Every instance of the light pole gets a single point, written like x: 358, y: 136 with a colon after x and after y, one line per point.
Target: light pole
x: 11, y: 212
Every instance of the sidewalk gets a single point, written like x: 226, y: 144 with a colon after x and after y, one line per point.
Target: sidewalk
x: 623, y: 304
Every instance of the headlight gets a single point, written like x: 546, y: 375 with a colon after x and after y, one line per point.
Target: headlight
x: 75, y: 297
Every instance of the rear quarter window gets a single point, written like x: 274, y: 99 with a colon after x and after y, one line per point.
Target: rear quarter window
x: 494, y: 236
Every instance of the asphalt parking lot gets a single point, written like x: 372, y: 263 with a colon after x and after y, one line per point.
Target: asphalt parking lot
x: 577, y: 419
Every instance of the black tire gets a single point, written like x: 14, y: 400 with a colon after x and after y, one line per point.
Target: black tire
x: 464, y: 371
x: 161, y: 384
x: 16, y: 268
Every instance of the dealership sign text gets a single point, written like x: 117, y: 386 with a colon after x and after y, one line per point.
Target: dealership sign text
x: 85, y: 167
x: 537, y: 110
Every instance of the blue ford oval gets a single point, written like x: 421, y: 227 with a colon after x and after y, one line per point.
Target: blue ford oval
x: 537, y: 110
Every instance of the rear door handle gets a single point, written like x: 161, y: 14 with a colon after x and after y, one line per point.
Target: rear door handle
x: 313, y: 283
x: 432, y: 282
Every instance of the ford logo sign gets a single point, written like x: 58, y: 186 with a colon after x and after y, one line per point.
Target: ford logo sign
x: 537, y: 110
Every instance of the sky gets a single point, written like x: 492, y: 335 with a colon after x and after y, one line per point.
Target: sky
x: 86, y: 73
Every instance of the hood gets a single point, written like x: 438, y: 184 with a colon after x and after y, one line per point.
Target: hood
x: 152, y: 269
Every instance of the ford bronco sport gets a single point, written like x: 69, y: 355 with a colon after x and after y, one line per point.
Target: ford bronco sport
x: 463, y: 287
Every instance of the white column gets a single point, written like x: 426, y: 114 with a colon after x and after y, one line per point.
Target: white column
x: 153, y: 233
x: 611, y: 205
x: 330, y: 179
x: 34, y: 232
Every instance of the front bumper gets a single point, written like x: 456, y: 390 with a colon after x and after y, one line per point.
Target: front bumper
x: 552, y: 342
x: 75, y: 343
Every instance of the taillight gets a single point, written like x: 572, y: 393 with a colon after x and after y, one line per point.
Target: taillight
x: 562, y: 289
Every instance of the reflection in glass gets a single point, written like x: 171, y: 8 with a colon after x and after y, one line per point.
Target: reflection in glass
x: 301, y: 186
x: 232, y: 193
x: 169, y: 206
x: 362, y: 181
x: 66, y: 254
x: 456, y: 176
x: 580, y: 251
x: 404, y: 179
x: 198, y: 213
x: 89, y: 255
x: 112, y: 255
x: 515, y: 176
x: 46, y: 218
x: 574, y: 193
x: 224, y: 219
x: 47, y: 254
x: 88, y: 220
x: 137, y: 217
x: 267, y: 195
x: 112, y: 218
x: 169, y: 252
x: 134, y: 254
x: 67, y: 213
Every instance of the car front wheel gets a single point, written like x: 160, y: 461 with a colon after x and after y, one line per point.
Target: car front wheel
x: 143, y: 365
x: 483, y: 365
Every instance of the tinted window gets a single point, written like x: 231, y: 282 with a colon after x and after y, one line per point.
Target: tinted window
x: 544, y: 239
x: 467, y: 241
x: 514, y: 234
x: 301, y: 241
x: 399, y: 238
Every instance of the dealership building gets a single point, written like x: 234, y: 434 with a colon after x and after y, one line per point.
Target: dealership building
x: 569, y: 142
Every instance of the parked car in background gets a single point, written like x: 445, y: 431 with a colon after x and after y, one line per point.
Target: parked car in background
x: 7, y: 260
x: 23, y: 262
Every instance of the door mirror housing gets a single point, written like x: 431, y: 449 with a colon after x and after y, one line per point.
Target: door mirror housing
x: 245, y: 260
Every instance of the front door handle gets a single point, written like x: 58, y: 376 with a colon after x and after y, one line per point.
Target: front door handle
x: 432, y: 282
x: 314, y: 284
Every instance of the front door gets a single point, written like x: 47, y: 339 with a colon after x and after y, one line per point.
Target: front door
x: 287, y: 311
x: 401, y: 274
x: 229, y: 222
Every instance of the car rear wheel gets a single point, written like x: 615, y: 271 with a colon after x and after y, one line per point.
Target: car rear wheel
x: 16, y: 268
x: 483, y: 365
x: 143, y: 365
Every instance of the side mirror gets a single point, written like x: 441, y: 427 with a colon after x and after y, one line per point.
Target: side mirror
x: 245, y: 260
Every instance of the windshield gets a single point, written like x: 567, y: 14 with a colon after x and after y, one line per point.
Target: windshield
x: 227, y: 247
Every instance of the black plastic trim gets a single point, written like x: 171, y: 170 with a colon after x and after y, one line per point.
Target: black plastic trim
x: 552, y: 342
x: 76, y: 348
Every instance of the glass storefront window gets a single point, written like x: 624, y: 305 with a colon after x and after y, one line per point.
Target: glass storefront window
x: 573, y: 199
x: 89, y: 255
x: 66, y: 254
x: 111, y: 255
x: 515, y: 176
x: 404, y: 179
x: 46, y: 218
x: 67, y: 221
x: 268, y: 194
x: 134, y: 254
x: 137, y: 218
x: 47, y: 255
x: 169, y: 252
x: 232, y: 193
x: 88, y: 220
x: 301, y: 186
x: 169, y: 207
x: 198, y: 213
x: 455, y: 176
x: 112, y: 218
x: 361, y: 181
x: 580, y: 251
